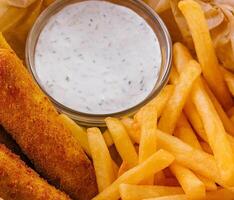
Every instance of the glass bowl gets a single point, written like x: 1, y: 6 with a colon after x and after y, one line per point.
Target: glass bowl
x: 141, y: 9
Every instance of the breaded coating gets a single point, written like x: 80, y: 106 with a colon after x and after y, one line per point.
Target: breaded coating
x: 28, y: 115
x: 7, y: 140
x: 18, y: 182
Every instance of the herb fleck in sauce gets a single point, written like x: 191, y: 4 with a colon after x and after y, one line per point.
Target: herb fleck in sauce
x: 97, y: 57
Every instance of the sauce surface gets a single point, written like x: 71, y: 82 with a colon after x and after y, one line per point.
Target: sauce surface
x: 97, y: 57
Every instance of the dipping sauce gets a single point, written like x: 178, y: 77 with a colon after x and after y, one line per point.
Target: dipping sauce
x: 97, y: 57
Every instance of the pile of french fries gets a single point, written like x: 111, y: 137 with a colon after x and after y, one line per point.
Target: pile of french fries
x: 181, y: 144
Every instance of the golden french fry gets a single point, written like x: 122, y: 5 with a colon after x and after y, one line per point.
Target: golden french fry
x: 206, y: 147
x: 148, y: 142
x: 174, y: 76
x: 195, y: 120
x: 79, y: 133
x: 115, y: 168
x: 193, y: 187
x: 102, y: 161
x: 123, y: 168
x: 197, y: 23
x: 11, y: 18
x: 185, y: 132
x: 223, y: 194
x: 159, y: 102
x: 217, y: 137
x: 170, y: 197
x: 198, y: 161
x: 181, y: 56
x: 128, y: 124
x: 229, y: 78
x: 3, y: 43
x: 158, y: 161
x: 227, y: 123
x: 176, y: 102
x: 210, y: 185
x: 139, y: 192
x: 122, y: 141
x: 107, y: 137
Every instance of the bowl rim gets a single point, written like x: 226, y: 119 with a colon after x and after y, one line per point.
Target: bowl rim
x: 98, y: 119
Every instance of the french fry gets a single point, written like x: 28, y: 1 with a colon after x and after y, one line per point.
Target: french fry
x: 139, y: 192
x: 195, y: 120
x: 107, y: 137
x: 77, y: 131
x: 224, y: 194
x: 148, y: 142
x: 210, y: 185
x: 128, y: 124
x: 159, y: 102
x: 123, y: 168
x: 102, y: 161
x: 158, y: 161
x: 198, y: 161
x: 193, y: 187
x: 217, y: 137
x: 115, y: 168
x: 122, y: 141
x: 229, y: 78
x: 227, y: 123
x: 185, y: 132
x: 196, y: 21
x: 181, y: 56
x: 178, y: 98
x: 174, y: 76
x: 206, y: 147
x: 170, y: 197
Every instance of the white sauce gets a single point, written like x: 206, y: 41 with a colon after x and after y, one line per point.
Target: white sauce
x: 97, y: 57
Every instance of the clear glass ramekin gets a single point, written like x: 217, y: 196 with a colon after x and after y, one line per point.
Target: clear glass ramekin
x: 141, y: 9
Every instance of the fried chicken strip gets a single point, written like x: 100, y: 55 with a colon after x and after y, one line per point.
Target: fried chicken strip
x: 28, y: 115
x: 18, y: 182
x: 7, y: 140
